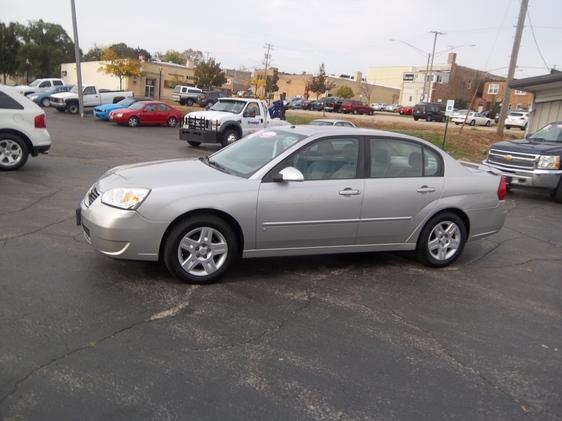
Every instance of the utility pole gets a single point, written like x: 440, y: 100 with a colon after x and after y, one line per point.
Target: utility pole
x: 435, y: 33
x: 512, y: 65
x: 425, y: 77
x: 77, y: 58
x: 267, y: 57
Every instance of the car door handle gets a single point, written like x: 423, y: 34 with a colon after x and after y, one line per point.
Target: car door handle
x: 349, y: 192
x: 425, y: 189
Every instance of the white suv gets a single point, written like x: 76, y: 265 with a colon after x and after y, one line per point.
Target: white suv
x: 23, y: 129
x: 517, y: 119
x: 39, y: 85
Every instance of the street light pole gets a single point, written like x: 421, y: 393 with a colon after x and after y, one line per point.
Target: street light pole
x: 77, y: 58
x: 160, y: 84
x: 435, y: 33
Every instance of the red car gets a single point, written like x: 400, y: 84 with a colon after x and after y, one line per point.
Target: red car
x: 405, y: 110
x: 146, y: 113
x: 355, y: 107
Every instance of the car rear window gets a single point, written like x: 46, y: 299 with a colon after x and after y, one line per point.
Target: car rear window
x: 516, y: 114
x: 9, y: 103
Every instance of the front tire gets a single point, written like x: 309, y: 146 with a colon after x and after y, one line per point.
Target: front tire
x: 200, y: 249
x: 488, y: 123
x: 442, y: 240
x: 557, y: 194
x: 229, y: 136
x: 45, y: 102
x: 473, y: 123
x: 172, y: 122
x: 133, y: 122
x: 195, y: 144
x: 13, y: 152
x: 73, y: 108
x: 508, y: 127
x: 189, y: 102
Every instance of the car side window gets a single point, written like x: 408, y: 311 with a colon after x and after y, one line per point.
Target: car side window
x: 57, y: 83
x: 8, y: 103
x: 253, y: 108
x: 90, y: 90
x: 328, y: 159
x: 394, y: 158
x: 162, y: 107
x: 45, y: 84
x: 150, y: 108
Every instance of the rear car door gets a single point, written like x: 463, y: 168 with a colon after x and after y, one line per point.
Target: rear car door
x: 404, y: 181
x: 321, y: 211
x: 161, y: 114
x: 252, y: 118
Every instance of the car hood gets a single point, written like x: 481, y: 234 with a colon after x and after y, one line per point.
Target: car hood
x: 527, y: 146
x: 65, y: 95
x: 213, y: 115
x: 109, y: 107
x: 160, y: 174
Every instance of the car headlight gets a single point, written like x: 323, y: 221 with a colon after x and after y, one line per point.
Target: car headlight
x: 549, y: 162
x: 33, y: 97
x: 125, y: 198
x: 119, y: 115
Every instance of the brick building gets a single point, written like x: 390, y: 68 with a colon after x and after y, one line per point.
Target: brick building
x: 493, y: 91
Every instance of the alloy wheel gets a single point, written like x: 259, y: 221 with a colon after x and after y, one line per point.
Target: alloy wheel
x: 444, y: 240
x: 11, y: 153
x: 202, y: 251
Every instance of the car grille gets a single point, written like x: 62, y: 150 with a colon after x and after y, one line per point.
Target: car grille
x: 56, y: 100
x: 515, y: 160
x: 92, y: 195
x: 196, y: 123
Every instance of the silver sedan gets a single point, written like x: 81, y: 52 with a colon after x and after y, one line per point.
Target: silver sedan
x: 293, y: 191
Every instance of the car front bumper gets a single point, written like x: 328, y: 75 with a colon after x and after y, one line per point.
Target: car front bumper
x: 198, y: 135
x: 546, y: 179
x: 121, y: 234
x: 102, y: 115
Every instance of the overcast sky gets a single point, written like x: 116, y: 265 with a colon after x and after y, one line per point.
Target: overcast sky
x: 347, y: 35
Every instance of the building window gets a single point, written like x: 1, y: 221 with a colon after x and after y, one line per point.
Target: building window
x: 469, y: 85
x: 410, y: 100
x: 518, y: 92
x: 493, y: 88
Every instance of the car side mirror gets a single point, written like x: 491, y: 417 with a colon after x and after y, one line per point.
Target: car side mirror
x: 288, y: 174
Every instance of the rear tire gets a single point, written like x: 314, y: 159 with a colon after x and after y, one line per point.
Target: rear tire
x: 189, y: 102
x: 133, y: 122
x: 488, y: 123
x: 508, y: 127
x: 428, y: 119
x: 416, y: 118
x: 442, y: 240
x: 196, y: 259
x: 13, y: 152
x: 473, y: 123
x: 194, y: 144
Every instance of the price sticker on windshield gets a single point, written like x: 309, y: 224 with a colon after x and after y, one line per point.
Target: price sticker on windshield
x: 268, y: 135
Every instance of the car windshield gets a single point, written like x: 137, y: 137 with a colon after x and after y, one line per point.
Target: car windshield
x: 249, y: 154
x: 137, y: 106
x: 230, y: 106
x: 127, y: 101
x: 74, y: 89
x: 36, y: 82
x: 549, y: 133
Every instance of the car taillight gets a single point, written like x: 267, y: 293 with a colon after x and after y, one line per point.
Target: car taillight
x: 40, y: 122
x: 502, y: 188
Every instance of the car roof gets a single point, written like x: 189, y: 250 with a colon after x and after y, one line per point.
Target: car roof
x: 310, y: 130
x: 331, y: 120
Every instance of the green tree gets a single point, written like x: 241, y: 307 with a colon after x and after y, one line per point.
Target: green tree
x: 320, y: 83
x: 208, y: 74
x: 119, y: 66
x: 194, y: 56
x: 345, y: 92
x: 172, y: 56
x: 44, y: 47
x: 9, y: 46
x: 271, y: 82
x: 122, y: 50
x: 93, y: 54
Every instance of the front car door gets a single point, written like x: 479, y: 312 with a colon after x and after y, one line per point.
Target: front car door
x: 320, y: 211
x: 149, y: 114
x: 252, y: 118
x: 91, y: 97
x: 404, y: 181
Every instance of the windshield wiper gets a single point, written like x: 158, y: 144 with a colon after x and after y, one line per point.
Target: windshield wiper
x: 214, y: 164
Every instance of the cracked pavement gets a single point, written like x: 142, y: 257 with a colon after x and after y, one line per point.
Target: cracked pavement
x: 344, y: 337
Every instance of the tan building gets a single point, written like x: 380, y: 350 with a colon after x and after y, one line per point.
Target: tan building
x: 157, y: 81
x: 291, y: 85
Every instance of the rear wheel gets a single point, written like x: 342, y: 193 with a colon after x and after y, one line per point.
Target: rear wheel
x: 172, y: 122
x: 13, y: 152
x: 192, y: 143
x: 473, y: 123
x: 200, y: 249
x: 189, y: 102
x: 415, y: 118
x: 133, y: 122
x: 442, y: 240
x: 508, y: 127
x: 524, y: 127
x: 488, y: 123
x: 428, y: 118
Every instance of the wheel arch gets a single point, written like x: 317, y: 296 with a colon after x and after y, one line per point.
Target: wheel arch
x: 204, y: 211
x: 24, y: 137
x: 232, y: 125
x: 459, y: 212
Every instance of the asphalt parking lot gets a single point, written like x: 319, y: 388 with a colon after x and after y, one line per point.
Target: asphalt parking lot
x: 345, y: 337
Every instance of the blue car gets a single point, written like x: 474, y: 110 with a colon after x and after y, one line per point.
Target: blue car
x: 102, y: 111
x: 42, y: 98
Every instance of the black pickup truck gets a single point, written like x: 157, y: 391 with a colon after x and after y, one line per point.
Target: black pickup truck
x: 533, y: 161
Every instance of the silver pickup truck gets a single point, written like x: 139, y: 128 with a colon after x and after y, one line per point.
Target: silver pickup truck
x: 226, y: 121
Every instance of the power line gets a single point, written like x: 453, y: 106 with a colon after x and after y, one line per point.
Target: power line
x: 536, y: 42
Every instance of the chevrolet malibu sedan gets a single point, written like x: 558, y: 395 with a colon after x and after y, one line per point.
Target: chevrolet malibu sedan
x: 295, y: 190
x: 147, y: 113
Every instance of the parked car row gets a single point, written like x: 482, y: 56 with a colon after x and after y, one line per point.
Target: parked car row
x: 189, y: 95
